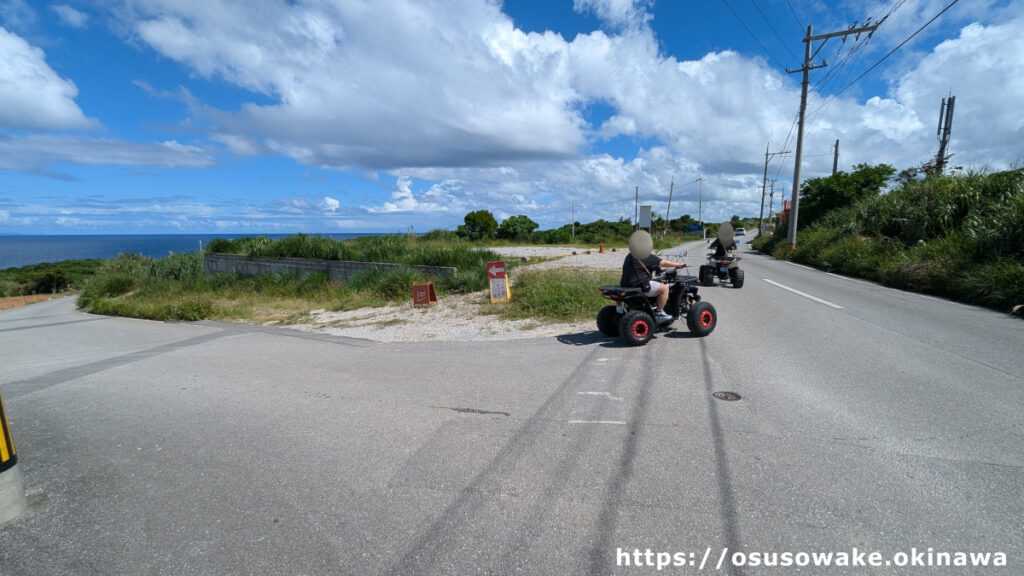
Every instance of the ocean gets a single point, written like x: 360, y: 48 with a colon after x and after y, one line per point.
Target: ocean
x: 16, y: 251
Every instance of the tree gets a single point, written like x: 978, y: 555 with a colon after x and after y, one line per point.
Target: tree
x: 478, y: 224
x: 819, y: 196
x: 516, y: 227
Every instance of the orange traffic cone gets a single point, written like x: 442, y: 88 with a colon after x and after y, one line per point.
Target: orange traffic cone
x: 601, y: 249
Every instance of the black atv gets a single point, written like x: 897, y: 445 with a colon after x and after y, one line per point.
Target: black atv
x: 632, y: 315
x: 726, y: 269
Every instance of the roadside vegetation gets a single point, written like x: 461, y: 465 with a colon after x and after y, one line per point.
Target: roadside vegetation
x: 959, y: 236
x: 481, y: 226
x: 177, y: 288
x: 46, y: 278
x: 558, y: 295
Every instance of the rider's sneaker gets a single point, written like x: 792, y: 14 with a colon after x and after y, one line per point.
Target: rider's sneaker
x: 660, y: 316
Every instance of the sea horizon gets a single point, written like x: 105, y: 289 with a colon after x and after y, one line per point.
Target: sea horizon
x: 17, y: 250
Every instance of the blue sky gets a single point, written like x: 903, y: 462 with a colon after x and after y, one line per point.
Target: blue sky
x: 273, y: 116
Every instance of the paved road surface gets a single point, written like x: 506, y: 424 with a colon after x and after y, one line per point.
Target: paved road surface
x: 870, y: 418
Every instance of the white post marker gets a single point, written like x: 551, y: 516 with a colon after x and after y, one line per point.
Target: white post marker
x: 500, y: 290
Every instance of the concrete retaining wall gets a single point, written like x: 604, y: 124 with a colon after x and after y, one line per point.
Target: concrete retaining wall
x: 338, y: 270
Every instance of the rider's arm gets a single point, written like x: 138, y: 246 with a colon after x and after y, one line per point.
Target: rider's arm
x: 671, y: 264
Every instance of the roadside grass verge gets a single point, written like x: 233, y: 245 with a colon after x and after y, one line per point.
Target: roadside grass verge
x: 176, y: 288
x: 959, y: 236
x: 567, y: 295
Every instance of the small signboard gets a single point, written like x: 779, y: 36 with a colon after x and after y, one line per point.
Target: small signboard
x: 500, y: 290
x: 424, y: 294
x: 645, y: 217
x: 495, y: 269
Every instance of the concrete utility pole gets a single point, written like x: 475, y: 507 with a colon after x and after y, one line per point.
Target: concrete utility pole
x: 944, y: 131
x: 764, y: 181
x: 700, y: 206
x: 636, y: 210
x: 806, y: 69
x: 835, y: 160
x: 669, y: 209
x: 574, y: 220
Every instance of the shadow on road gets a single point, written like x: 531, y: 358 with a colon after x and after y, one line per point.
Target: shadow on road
x: 726, y: 499
x: 589, y: 339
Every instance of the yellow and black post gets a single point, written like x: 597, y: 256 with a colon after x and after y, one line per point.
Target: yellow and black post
x: 12, y: 490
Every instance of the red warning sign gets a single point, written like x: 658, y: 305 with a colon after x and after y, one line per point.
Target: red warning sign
x: 495, y: 269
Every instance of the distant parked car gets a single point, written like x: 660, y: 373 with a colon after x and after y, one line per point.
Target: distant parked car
x: 740, y: 232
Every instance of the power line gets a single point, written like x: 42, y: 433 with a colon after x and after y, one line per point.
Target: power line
x: 795, y: 17
x: 756, y: 39
x: 769, y: 23
x: 883, y: 59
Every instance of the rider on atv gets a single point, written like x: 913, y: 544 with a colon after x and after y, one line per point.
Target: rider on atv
x: 638, y: 270
x: 720, y: 249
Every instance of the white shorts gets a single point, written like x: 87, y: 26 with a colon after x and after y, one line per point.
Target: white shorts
x: 655, y: 285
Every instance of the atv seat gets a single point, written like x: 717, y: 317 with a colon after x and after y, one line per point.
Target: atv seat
x: 621, y: 289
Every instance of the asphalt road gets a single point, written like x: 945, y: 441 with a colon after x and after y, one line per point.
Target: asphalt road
x: 870, y: 418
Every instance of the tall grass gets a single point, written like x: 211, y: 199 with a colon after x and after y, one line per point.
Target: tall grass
x: 559, y: 295
x: 959, y: 236
x: 438, y: 248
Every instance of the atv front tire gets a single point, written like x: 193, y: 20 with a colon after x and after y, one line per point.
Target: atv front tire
x: 608, y: 321
x: 736, y: 275
x: 702, y: 319
x: 636, y: 327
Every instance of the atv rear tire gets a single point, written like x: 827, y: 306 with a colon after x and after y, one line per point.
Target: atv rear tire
x: 636, y: 327
x: 702, y: 319
x: 608, y: 321
x: 736, y: 275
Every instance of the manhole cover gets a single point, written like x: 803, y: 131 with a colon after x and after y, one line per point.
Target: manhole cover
x: 727, y: 396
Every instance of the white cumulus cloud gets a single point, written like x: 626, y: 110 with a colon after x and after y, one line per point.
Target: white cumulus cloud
x: 32, y: 95
x: 330, y: 204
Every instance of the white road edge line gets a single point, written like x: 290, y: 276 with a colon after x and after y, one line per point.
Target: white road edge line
x: 852, y: 279
x: 607, y: 395
x: 619, y: 422
x: 801, y: 266
x: 805, y: 295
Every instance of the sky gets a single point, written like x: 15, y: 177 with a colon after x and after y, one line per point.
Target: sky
x: 334, y: 116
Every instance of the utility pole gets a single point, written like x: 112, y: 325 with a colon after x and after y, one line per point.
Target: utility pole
x: 636, y: 210
x: 574, y: 220
x: 946, y: 129
x: 669, y: 209
x: 771, y: 203
x: 809, y: 65
x: 835, y: 159
x: 700, y: 206
x: 764, y: 181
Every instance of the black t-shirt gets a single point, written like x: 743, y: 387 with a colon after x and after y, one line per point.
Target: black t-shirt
x: 634, y: 275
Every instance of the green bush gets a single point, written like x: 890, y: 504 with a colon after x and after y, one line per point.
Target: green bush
x: 187, y: 266
x: 10, y: 288
x: 996, y: 283
x: 390, y: 284
x: 109, y: 286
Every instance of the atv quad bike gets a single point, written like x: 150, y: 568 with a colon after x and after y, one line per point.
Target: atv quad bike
x: 632, y: 315
x: 726, y: 268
